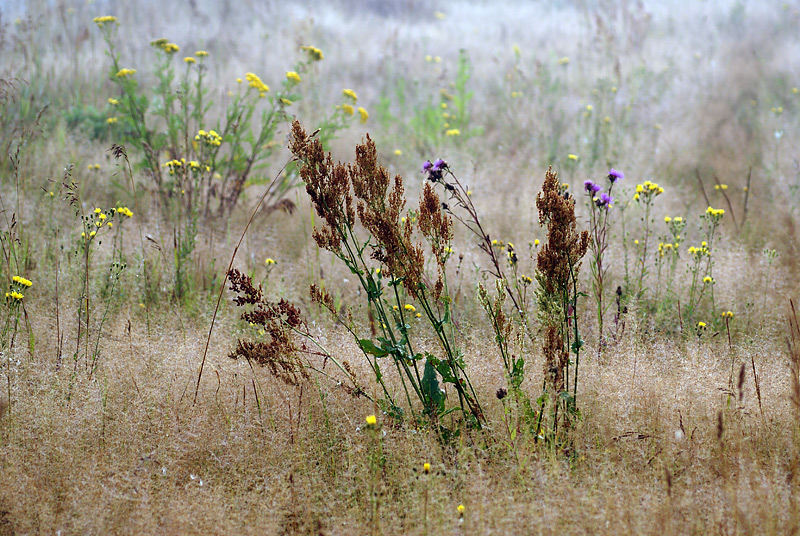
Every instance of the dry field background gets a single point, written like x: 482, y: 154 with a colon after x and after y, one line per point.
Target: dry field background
x: 671, y: 439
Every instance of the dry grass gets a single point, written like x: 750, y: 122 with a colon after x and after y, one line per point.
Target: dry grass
x: 673, y: 438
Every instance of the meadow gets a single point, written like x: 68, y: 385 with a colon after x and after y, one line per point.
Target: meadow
x: 412, y: 267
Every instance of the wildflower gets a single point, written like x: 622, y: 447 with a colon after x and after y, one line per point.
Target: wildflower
x: 349, y: 110
x: 604, y: 201
x: 398, y: 152
x: 701, y: 325
x: 727, y: 314
x: 371, y: 420
x: 100, y: 21
x: 14, y: 295
x: 201, y: 53
x: 22, y: 281
x: 720, y: 186
x: 189, y: 60
x: 453, y: 132
x: 313, y: 52
x: 536, y: 242
x: 667, y: 219
x: 111, y: 120
x: 437, y: 59
x: 419, y: 315
x: 170, y: 48
x: 636, y: 197
x: 255, y: 82
x: 614, y: 175
x: 428, y: 58
x: 350, y: 94
x: 122, y: 73
x: 591, y: 187
x: 572, y: 156
x: 526, y: 280
x: 113, y: 102
x: 238, y: 80
x: 286, y: 102
x: 563, y: 61
x: 708, y: 280
x: 409, y: 307
x: 589, y: 107
x: 469, y: 193
x: 461, y: 509
x: 426, y: 468
x: 439, y: 15
x: 292, y: 76
x: 125, y: 211
x: 363, y: 113
x: 92, y: 234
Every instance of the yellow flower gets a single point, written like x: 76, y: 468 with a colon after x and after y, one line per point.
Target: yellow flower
x: 667, y: 219
x: 429, y: 58
x: 589, y: 107
x: 563, y: 61
x: 292, y: 76
x: 461, y: 509
x: 426, y: 468
x: 363, y: 114
x: 371, y: 420
x: 398, y: 152
x: 439, y: 15
x: 111, y: 120
x: 313, y: 52
x: 287, y: 102
x: 419, y: 315
x: 22, y: 281
x: 113, y: 102
x: 255, y: 82
x: 708, y: 280
x: 453, y: 132
x: 701, y: 324
x: 349, y: 110
x: 14, y: 295
x: 269, y: 261
x: 536, y: 242
x: 409, y: 307
x: 170, y: 48
x: 350, y: 94
x: 201, y: 53
x: 100, y: 21
x: 437, y: 59
x: 189, y: 60
x: 572, y: 157
x: 92, y: 234
x: 636, y: 197
x: 122, y: 73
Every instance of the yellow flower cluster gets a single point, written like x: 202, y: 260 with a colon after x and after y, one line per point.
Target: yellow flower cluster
x: 708, y: 280
x: 286, y: 101
x: 727, y: 314
x: 409, y: 307
x: 715, y: 213
x: 348, y: 109
x: 720, y: 186
x: 699, y: 252
x: 170, y: 48
x: 648, y: 190
x: 350, y: 94
x: 112, y: 120
x: 572, y: 157
x: 563, y: 61
x: 664, y: 248
x: 189, y: 60
x: 174, y: 165
x: 125, y: 211
x: 313, y: 52
x: 210, y: 138
x: 201, y: 53
x: 255, y: 82
x: 526, y: 280
x: 122, y: 73
x: 269, y: 261
x: 14, y: 295
x: 453, y: 132
x: 22, y: 281
x: 113, y: 101
x: 701, y: 325
x: 292, y: 76
x: 100, y: 21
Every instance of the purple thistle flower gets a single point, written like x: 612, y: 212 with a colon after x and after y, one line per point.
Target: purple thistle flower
x: 604, y: 201
x: 439, y: 165
x: 426, y: 166
x: 591, y: 187
x: 614, y: 175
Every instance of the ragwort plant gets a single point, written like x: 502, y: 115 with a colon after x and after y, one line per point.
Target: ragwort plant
x: 645, y: 196
x: 338, y: 193
x: 702, y: 263
x: 209, y: 164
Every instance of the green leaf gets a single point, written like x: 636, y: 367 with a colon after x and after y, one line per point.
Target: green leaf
x: 369, y: 347
x: 430, y: 388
